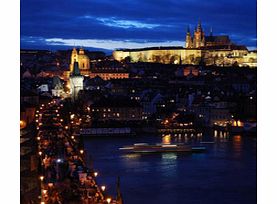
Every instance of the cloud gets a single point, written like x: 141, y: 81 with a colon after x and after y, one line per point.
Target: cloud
x: 145, y: 20
x: 110, y: 44
x: 122, y: 23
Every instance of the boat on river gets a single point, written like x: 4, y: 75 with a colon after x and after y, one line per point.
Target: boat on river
x: 160, y: 148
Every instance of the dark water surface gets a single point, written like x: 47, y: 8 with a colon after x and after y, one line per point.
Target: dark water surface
x: 225, y: 174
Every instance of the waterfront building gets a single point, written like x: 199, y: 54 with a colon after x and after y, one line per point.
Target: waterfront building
x: 116, y: 109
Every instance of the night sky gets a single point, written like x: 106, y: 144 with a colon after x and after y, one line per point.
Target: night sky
x: 111, y: 24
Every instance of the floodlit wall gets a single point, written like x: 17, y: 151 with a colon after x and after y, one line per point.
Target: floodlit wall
x: 190, y: 56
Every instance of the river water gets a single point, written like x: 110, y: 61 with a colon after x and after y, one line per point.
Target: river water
x: 225, y: 174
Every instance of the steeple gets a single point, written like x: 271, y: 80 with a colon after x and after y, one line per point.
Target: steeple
x: 188, y: 43
x: 74, y: 51
x: 211, y: 31
x: 199, y: 27
x: 76, y: 70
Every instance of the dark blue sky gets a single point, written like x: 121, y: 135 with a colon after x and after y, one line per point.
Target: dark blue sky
x: 111, y: 24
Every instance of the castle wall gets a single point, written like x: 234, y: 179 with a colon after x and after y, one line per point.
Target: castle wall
x: 226, y: 57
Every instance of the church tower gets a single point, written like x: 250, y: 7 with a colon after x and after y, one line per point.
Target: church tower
x: 76, y: 81
x: 82, y: 59
x: 74, y: 58
x: 188, y: 39
x: 199, y: 37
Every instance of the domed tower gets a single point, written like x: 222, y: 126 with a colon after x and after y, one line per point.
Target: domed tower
x: 199, y: 36
x: 81, y: 51
x: 188, y: 43
x: 84, y: 62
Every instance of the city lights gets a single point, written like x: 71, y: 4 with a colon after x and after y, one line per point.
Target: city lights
x: 109, y: 200
x: 50, y: 185
x: 157, y: 102
x: 41, y: 178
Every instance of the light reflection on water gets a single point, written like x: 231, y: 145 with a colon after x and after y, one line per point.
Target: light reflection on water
x: 237, y: 145
x: 168, y: 165
x: 163, y: 178
x: 186, y: 138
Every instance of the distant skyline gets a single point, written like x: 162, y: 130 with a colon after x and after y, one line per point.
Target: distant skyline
x: 109, y: 25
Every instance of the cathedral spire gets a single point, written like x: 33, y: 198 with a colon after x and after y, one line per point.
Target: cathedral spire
x: 211, y: 31
x: 199, y: 27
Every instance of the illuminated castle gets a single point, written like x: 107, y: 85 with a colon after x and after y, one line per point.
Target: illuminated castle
x: 210, y: 49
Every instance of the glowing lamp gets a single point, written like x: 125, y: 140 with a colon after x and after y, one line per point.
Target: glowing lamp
x: 103, y: 188
x: 108, y: 200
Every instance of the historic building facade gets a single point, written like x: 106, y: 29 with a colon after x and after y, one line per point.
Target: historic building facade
x: 84, y: 68
x: 82, y: 59
x: 213, y: 50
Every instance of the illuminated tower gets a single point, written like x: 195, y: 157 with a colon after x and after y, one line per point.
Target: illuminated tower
x: 188, y: 40
x: 82, y: 59
x: 76, y: 81
x: 84, y: 62
x: 199, y: 37
x: 74, y: 58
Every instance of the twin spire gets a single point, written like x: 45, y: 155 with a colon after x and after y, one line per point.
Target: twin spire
x: 199, y: 28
